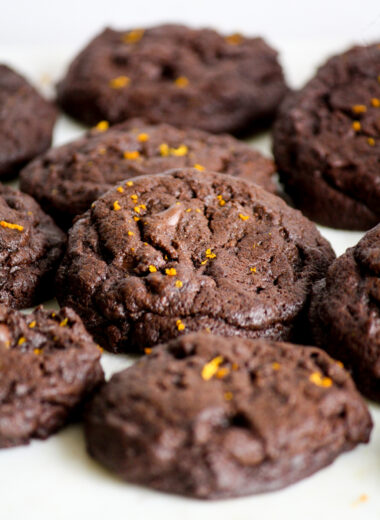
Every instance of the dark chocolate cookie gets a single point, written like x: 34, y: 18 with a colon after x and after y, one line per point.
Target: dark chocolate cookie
x: 345, y: 312
x: 177, y: 75
x: 214, y: 417
x: 187, y: 250
x: 26, y: 122
x: 49, y: 365
x: 66, y: 180
x: 327, y: 142
x: 31, y: 246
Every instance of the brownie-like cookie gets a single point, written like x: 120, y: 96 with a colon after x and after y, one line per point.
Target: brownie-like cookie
x: 31, y: 246
x: 177, y: 75
x: 49, y: 365
x: 187, y: 250
x: 26, y: 122
x: 345, y: 312
x: 327, y: 142
x: 214, y: 417
x: 66, y: 180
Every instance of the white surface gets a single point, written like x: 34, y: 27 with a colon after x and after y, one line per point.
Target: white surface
x: 56, y: 479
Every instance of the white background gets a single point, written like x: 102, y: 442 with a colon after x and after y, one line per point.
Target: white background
x: 56, y: 479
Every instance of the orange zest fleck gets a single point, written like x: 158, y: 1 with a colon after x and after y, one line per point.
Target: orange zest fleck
x: 199, y: 167
x: 64, y: 322
x: 133, y: 36
x: 116, y: 206
x: 9, y: 225
x: 131, y: 233
x: 221, y: 200
x: 180, y: 151
x: 32, y: 324
x: 319, y: 380
x: 131, y: 154
x: 171, y: 271
x: 134, y: 197
x: 210, y: 254
x: 375, y: 102
x: 37, y: 351
x: 356, y: 126
x: 147, y: 351
x: 211, y: 368
x: 243, y: 217
x: 119, y: 82
x: 371, y: 141
x: 181, y: 82
x: 21, y: 340
x: 276, y: 366
x: 228, y: 396
x: 178, y: 284
x: 120, y: 189
x: 102, y: 126
x: 234, y: 39
x: 359, y: 109
x: 222, y: 372
x: 180, y: 326
x: 129, y: 183
x: 252, y: 269
x: 152, y: 268
x: 143, y: 138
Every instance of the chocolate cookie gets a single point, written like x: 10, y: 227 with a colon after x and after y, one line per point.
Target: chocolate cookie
x: 49, y: 365
x: 31, y: 246
x: 345, y: 312
x: 212, y: 417
x: 67, y: 179
x: 327, y: 142
x: 26, y: 122
x: 177, y: 75
x: 187, y: 250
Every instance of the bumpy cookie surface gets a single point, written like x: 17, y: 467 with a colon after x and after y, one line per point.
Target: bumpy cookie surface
x: 31, y: 246
x: 215, y: 417
x: 26, y: 122
x: 345, y: 312
x: 188, y: 250
x: 176, y: 75
x: 66, y: 180
x: 48, y: 365
x: 327, y: 142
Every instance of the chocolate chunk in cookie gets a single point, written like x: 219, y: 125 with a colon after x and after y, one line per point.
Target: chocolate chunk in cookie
x: 31, y: 246
x: 345, y: 312
x: 165, y: 254
x: 213, y: 417
x: 49, y: 365
x: 26, y: 122
x: 327, y: 142
x: 177, y: 75
x: 67, y: 179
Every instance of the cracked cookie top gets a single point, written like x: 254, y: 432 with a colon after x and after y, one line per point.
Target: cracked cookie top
x: 48, y: 365
x: 160, y: 255
x: 67, y: 179
x: 327, y: 141
x: 213, y: 417
x: 26, y: 122
x: 345, y: 312
x: 30, y: 248
x: 177, y: 75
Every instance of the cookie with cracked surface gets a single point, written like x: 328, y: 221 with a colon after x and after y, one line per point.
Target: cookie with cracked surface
x: 177, y: 75
x: 345, y: 312
x: 213, y: 417
x: 327, y: 142
x: 49, y: 365
x: 31, y: 246
x: 190, y: 250
x: 67, y: 179
x: 26, y: 122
